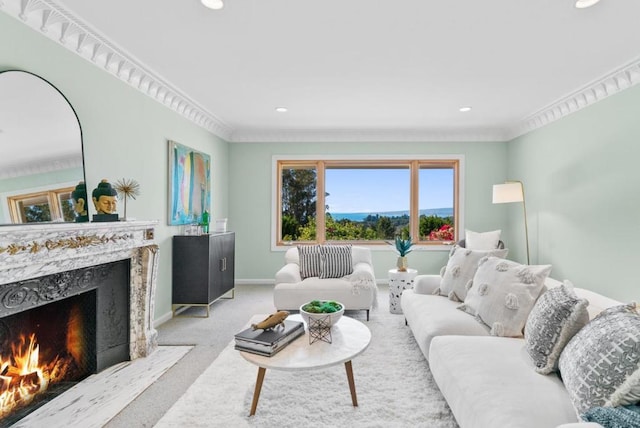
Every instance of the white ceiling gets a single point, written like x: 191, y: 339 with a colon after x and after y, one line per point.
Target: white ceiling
x: 367, y: 69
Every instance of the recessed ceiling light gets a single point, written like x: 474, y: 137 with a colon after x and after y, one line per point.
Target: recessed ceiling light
x: 282, y: 109
x: 581, y: 4
x: 213, y: 4
x: 465, y: 109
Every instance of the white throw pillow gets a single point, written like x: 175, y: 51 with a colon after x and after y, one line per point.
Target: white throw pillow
x: 503, y: 293
x: 460, y: 269
x: 482, y: 240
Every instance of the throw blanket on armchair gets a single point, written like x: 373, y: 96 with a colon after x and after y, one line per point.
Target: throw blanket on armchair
x: 362, y: 281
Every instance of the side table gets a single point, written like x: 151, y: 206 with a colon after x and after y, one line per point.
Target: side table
x: 398, y: 282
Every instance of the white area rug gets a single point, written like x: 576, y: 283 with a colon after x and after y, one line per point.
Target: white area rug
x: 393, y: 382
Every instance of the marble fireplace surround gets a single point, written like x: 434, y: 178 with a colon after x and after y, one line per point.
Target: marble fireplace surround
x: 33, y: 251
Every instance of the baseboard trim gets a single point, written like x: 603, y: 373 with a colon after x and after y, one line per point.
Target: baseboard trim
x: 162, y: 319
x: 270, y: 281
x: 382, y: 281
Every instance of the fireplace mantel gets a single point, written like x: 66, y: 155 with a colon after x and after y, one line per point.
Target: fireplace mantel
x: 32, y: 251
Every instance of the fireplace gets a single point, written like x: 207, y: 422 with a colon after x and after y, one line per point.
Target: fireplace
x: 77, y: 324
x: 74, y: 300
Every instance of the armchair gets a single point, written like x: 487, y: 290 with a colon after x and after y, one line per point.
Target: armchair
x: 356, y: 291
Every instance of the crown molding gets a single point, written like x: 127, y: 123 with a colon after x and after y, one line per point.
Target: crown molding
x: 41, y: 166
x: 62, y: 26
x: 610, y: 84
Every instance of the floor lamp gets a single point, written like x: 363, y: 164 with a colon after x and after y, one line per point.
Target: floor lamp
x: 512, y: 191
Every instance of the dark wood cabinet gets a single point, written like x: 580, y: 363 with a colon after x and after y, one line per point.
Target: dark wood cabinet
x: 203, y: 269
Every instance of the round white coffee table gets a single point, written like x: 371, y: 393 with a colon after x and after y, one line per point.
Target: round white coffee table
x: 349, y: 339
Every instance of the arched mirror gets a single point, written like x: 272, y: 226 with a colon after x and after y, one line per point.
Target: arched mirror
x: 41, y: 162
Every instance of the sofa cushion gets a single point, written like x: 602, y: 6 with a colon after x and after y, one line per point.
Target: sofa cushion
x: 482, y: 240
x: 555, y: 318
x: 600, y: 366
x: 310, y: 260
x: 460, y: 269
x: 430, y: 316
x: 336, y: 261
x: 490, y: 382
x: 503, y: 293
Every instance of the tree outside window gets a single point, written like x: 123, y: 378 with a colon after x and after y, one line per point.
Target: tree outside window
x: 368, y: 201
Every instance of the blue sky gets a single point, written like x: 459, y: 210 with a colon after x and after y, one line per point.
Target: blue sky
x: 375, y: 190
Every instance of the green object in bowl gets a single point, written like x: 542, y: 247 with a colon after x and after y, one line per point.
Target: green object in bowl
x: 318, y: 307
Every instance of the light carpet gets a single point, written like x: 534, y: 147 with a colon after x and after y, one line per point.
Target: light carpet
x: 394, y: 387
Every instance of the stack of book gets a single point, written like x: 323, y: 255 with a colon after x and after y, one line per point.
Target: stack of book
x: 268, y: 342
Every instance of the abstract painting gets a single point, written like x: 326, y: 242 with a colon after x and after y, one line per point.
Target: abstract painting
x: 189, y: 184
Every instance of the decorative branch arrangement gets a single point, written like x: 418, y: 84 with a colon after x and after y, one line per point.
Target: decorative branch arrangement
x: 128, y: 188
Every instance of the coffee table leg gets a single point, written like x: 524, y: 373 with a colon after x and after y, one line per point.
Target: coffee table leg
x: 256, y: 392
x: 352, y: 384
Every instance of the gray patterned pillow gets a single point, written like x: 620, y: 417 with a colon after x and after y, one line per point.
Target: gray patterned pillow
x: 503, y: 293
x: 459, y: 272
x: 310, y: 260
x: 555, y: 318
x: 600, y: 366
x: 336, y: 261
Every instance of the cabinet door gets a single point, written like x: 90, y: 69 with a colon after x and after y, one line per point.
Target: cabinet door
x: 217, y: 265
x: 222, y: 264
x: 228, y: 254
x: 191, y: 267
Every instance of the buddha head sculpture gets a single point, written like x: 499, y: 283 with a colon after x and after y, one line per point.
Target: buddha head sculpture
x: 79, y: 196
x: 104, y: 198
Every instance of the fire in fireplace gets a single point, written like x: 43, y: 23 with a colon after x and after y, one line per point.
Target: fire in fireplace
x: 44, y: 351
x: 58, y: 329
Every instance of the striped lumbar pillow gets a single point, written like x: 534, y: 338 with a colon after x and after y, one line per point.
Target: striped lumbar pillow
x: 336, y: 261
x: 310, y: 260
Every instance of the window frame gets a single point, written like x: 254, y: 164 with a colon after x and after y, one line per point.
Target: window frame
x: 320, y: 162
x: 53, y: 200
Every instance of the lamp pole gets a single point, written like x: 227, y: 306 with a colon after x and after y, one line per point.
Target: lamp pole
x: 526, y: 227
x: 513, y: 191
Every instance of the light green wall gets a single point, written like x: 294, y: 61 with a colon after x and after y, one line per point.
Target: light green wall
x: 582, y: 184
x: 125, y: 133
x: 580, y: 176
x: 251, y: 187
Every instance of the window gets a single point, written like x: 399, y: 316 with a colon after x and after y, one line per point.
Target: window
x: 52, y: 205
x: 371, y: 200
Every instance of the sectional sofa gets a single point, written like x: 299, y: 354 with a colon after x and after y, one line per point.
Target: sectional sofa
x: 488, y: 381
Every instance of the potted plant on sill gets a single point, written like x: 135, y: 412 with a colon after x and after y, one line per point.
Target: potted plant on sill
x: 403, y: 247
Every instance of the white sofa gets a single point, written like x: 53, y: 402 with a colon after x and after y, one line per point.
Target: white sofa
x: 487, y: 381
x: 357, y: 291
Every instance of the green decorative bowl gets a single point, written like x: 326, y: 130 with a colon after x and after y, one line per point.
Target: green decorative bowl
x: 334, y: 317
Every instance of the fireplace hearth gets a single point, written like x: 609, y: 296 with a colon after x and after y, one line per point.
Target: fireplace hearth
x: 74, y: 300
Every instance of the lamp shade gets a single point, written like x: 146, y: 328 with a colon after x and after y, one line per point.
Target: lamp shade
x: 507, y: 192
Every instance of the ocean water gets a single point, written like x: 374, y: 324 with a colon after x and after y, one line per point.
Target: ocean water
x: 439, y: 212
